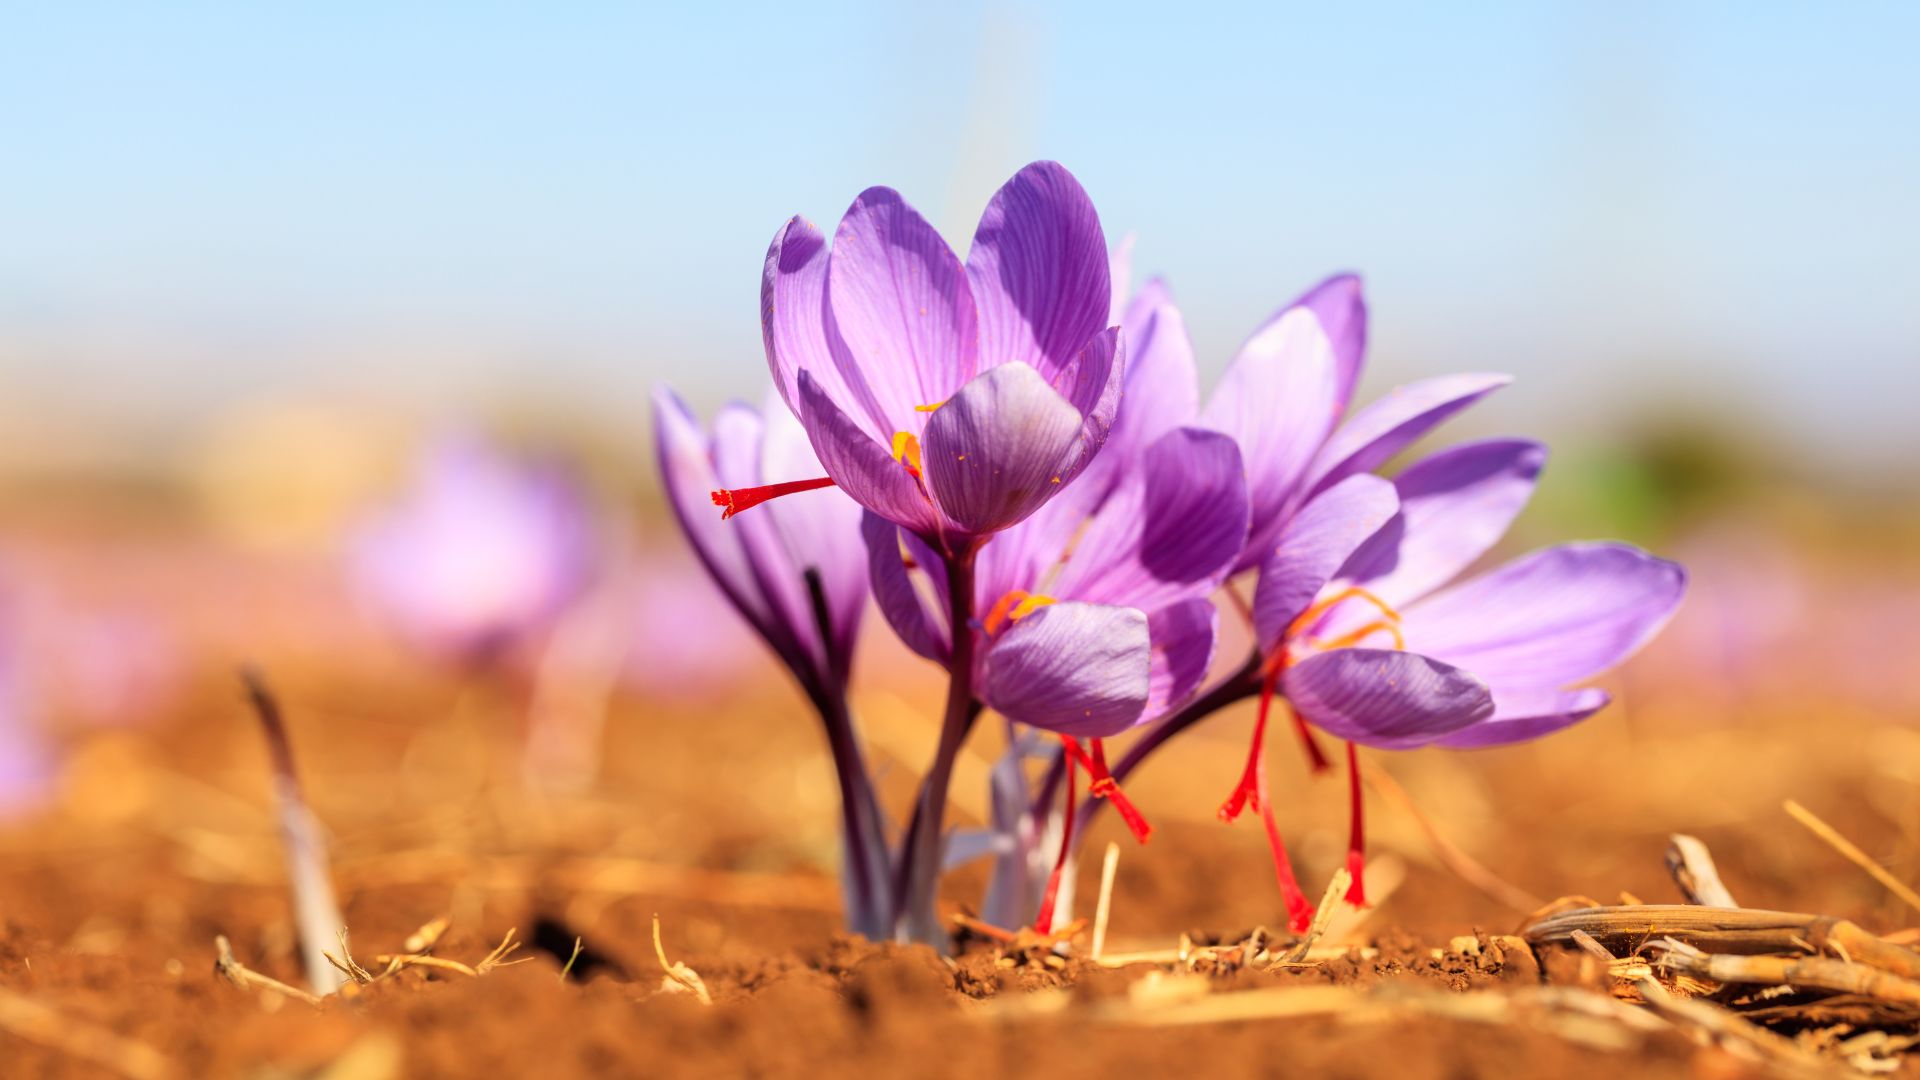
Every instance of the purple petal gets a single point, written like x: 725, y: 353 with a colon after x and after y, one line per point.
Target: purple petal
x: 917, y: 615
x: 816, y: 529
x: 1528, y: 714
x: 1119, y: 277
x: 1313, y: 547
x: 1551, y: 618
x: 1093, y: 383
x: 1183, y: 635
x: 1172, y: 530
x: 797, y: 328
x: 1039, y: 271
x: 1074, y: 668
x: 1278, y: 399
x: 686, y: 470
x: 1000, y: 448
x: 1385, y: 698
x: 862, y: 468
x: 1393, y: 423
x: 1162, y: 388
x: 1342, y: 310
x: 1454, y: 506
x: 900, y: 299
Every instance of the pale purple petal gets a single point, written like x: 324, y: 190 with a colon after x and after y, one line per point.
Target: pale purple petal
x: 1078, y: 669
x: 864, y: 469
x: 817, y: 529
x: 1119, y: 277
x: 1384, y: 428
x: 1527, y: 714
x: 738, y: 434
x: 1342, y: 310
x: 1171, y: 531
x: 1552, y: 618
x: 1093, y: 383
x: 1039, y: 271
x: 1454, y: 506
x: 1311, y: 549
x: 901, y: 302
x: 917, y: 614
x: 1162, y: 387
x: 1385, y: 698
x: 1000, y: 448
x: 1184, y: 635
x: 686, y: 470
x: 798, y: 329
x: 1278, y: 399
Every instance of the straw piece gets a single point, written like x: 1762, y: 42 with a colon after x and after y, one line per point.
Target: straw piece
x: 1691, y: 865
x: 1852, y: 853
x: 1109, y: 866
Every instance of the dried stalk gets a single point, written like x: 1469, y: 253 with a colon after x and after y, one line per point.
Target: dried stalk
x: 1801, y: 971
x: 1109, y: 866
x: 1852, y: 853
x: 1464, y: 866
x: 1691, y: 865
x: 248, y: 979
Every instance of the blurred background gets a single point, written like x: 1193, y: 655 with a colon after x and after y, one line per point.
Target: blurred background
x: 327, y: 335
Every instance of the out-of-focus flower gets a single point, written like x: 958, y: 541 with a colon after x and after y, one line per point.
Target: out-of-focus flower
x: 953, y: 400
x: 27, y: 767
x: 481, y: 555
x: 1366, y: 639
x: 795, y: 571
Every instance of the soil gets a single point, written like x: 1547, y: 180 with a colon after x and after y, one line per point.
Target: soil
x: 711, y: 808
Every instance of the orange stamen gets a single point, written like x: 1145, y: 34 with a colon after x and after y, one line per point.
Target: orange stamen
x: 1104, y: 786
x: 1043, y: 922
x: 1357, y: 837
x: 1352, y: 592
x: 1013, y: 607
x: 1357, y: 636
x: 733, y: 500
x: 906, y: 451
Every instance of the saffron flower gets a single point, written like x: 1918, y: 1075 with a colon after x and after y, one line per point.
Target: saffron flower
x: 1364, y: 632
x: 796, y: 572
x: 952, y: 399
x: 480, y: 556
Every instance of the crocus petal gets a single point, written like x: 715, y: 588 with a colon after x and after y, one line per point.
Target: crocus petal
x: 1551, y: 618
x: 687, y: 471
x: 1279, y: 400
x: 1184, y: 636
x: 1393, y: 423
x: 1170, y: 532
x: 900, y: 299
x: 1000, y: 448
x: 909, y: 609
x: 1162, y: 387
x: 1385, y: 698
x: 1074, y: 668
x: 1312, y: 548
x: 1454, y: 506
x: 1342, y: 310
x: 797, y: 328
x: 1039, y: 271
x: 816, y: 528
x: 1527, y: 714
x: 862, y: 468
x: 1120, y: 277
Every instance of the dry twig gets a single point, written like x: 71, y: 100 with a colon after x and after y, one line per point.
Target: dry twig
x: 1463, y: 865
x: 680, y: 979
x: 1691, y: 865
x: 1109, y: 866
x: 1852, y: 853
x: 248, y: 979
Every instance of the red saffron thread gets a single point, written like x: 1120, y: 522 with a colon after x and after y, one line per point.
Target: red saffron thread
x: 733, y: 500
x: 1102, y: 785
x: 1252, y: 789
x: 1357, y: 838
x: 1043, y: 922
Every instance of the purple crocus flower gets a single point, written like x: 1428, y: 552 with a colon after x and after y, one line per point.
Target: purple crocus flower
x: 27, y: 767
x: 951, y: 399
x: 480, y: 556
x: 796, y: 572
x: 1367, y: 637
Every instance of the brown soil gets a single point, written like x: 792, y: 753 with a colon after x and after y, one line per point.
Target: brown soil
x: 713, y: 810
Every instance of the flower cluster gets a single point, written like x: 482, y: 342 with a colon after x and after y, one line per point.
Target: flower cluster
x: 1040, y: 503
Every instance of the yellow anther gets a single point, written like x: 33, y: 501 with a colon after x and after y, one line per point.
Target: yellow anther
x: 935, y: 407
x: 1013, y: 607
x: 906, y: 451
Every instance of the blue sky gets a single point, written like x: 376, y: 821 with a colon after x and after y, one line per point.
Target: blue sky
x: 1623, y: 203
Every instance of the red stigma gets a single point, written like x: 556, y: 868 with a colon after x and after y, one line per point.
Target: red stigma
x: 1252, y: 790
x: 1357, y: 838
x: 1043, y: 921
x: 1104, y: 786
x: 733, y: 500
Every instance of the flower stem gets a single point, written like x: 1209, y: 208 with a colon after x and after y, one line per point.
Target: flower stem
x: 920, y: 857
x: 864, y: 852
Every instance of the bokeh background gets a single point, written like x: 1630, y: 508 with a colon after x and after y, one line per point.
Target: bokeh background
x: 267, y: 270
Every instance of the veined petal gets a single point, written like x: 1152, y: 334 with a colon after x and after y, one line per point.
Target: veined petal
x: 862, y: 468
x: 1184, y: 635
x: 1342, y: 310
x: 1519, y: 715
x: 798, y: 329
x: 1039, y: 270
x: 1454, y: 506
x: 738, y: 435
x: 1278, y: 399
x: 1385, y: 698
x: 1171, y: 531
x: 1000, y: 448
x: 1074, y: 668
x: 1119, y: 277
x: 1311, y: 549
x: 1162, y: 388
x: 1551, y: 618
x: 901, y: 302
x: 1393, y: 423
x: 918, y: 616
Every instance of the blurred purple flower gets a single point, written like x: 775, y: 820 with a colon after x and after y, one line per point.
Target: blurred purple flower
x: 27, y: 766
x: 953, y: 400
x: 482, y: 554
